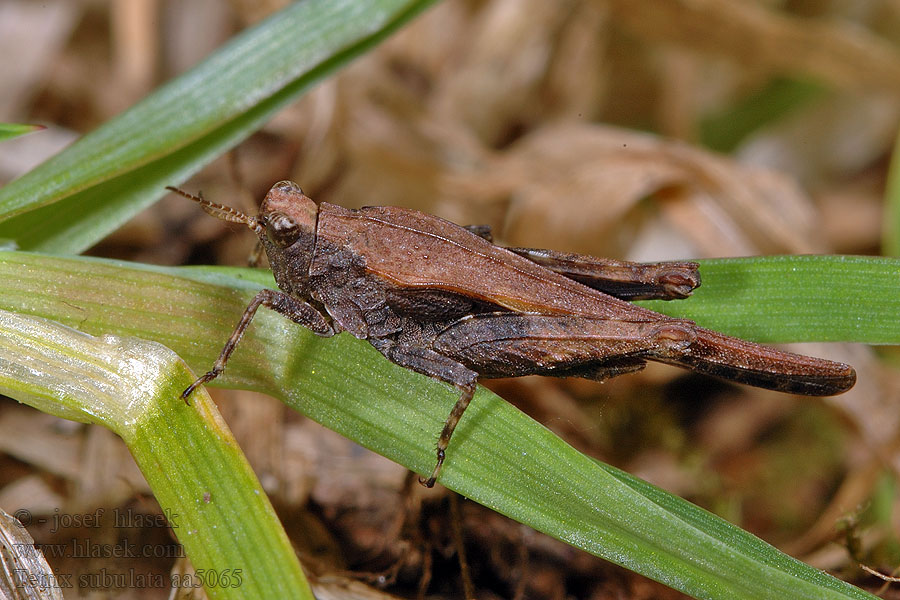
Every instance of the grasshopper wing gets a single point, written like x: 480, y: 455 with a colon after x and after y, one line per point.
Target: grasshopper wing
x: 622, y: 279
x: 411, y: 249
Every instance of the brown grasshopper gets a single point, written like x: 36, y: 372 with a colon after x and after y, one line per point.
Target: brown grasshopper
x: 444, y: 301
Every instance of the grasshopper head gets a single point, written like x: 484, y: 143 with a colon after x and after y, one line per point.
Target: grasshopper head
x: 286, y: 226
x: 287, y: 216
x: 287, y: 230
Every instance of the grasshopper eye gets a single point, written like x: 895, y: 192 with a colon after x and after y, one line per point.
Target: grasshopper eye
x: 281, y: 229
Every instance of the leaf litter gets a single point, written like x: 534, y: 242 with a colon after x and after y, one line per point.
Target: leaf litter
x: 572, y: 125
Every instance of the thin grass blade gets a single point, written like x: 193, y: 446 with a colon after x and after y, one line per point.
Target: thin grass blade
x: 498, y: 456
x: 77, y: 197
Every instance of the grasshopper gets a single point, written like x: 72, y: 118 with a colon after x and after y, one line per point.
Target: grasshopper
x: 444, y: 301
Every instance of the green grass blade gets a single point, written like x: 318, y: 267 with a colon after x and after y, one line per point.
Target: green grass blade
x: 498, y: 456
x: 77, y: 197
x: 207, y: 490
x: 779, y: 299
x: 890, y: 235
x: 11, y: 130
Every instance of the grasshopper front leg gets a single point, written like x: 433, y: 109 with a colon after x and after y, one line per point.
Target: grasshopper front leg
x: 284, y: 304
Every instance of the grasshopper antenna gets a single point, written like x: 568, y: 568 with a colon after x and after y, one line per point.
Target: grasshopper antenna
x: 220, y: 211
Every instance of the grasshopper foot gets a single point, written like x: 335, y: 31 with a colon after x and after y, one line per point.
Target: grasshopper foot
x: 205, y: 378
x: 429, y: 483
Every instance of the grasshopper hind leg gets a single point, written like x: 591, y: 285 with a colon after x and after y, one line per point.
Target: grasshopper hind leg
x: 603, y: 370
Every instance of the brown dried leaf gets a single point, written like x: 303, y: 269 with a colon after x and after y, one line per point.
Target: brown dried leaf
x: 33, y: 34
x: 841, y: 54
x: 26, y: 435
x: 836, y: 137
x: 576, y: 184
x: 508, y: 54
x: 31, y: 493
x: 337, y: 587
x: 24, y: 572
x: 109, y: 474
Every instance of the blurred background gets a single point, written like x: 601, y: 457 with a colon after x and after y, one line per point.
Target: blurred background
x: 636, y: 129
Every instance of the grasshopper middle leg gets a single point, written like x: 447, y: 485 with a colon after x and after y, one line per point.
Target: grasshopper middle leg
x: 429, y: 362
